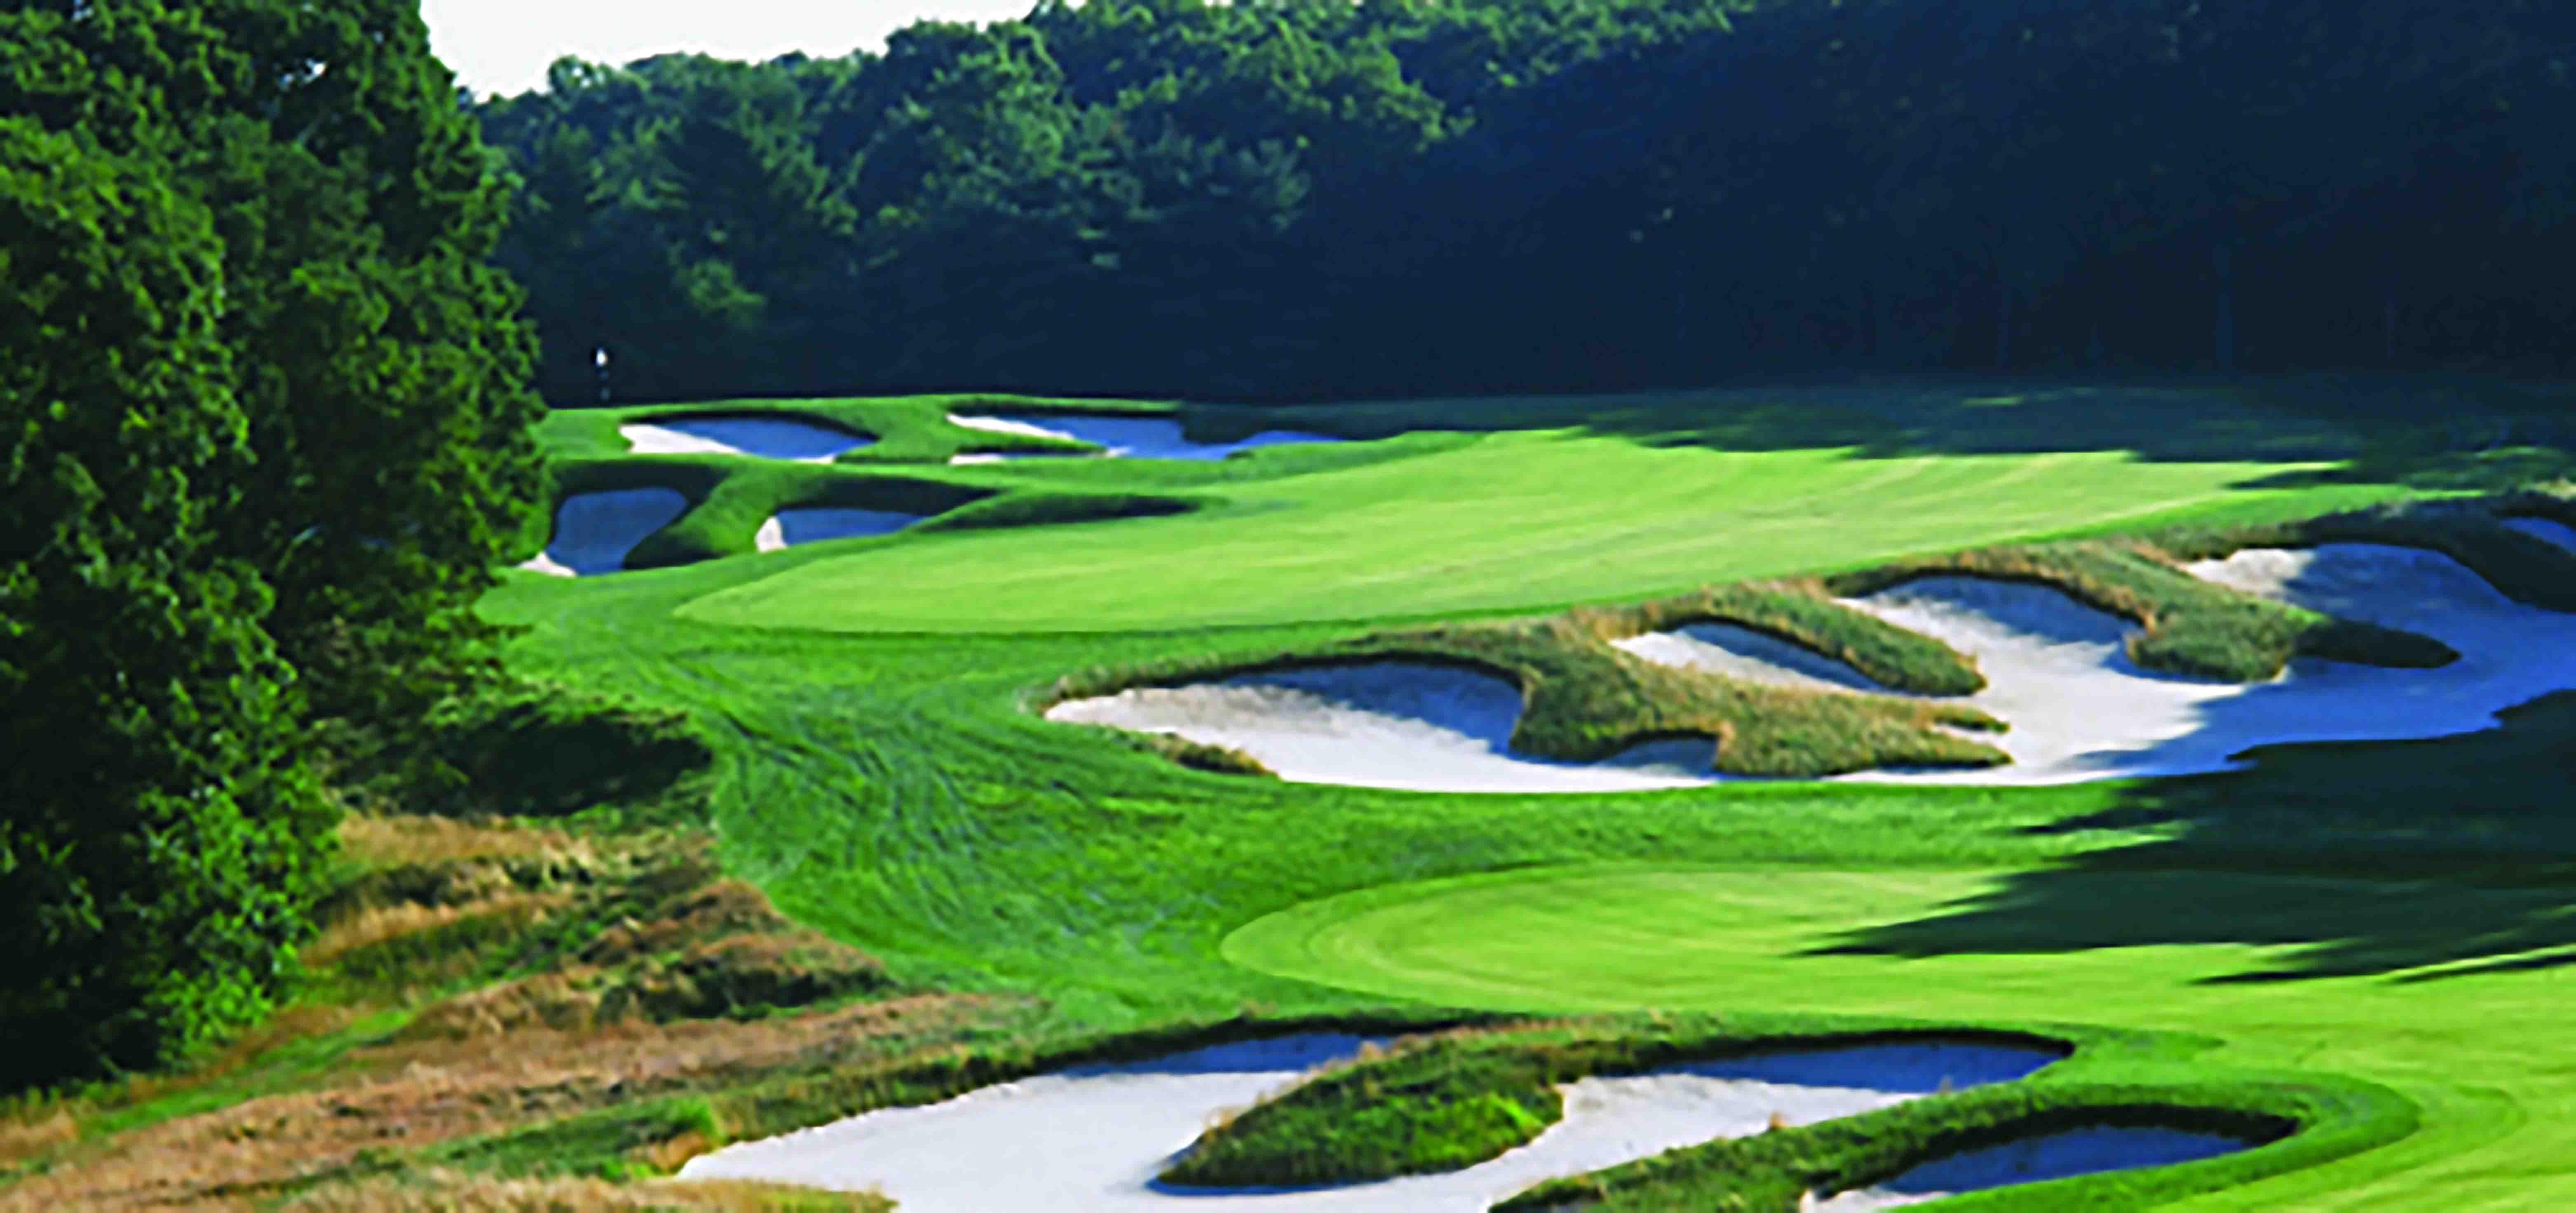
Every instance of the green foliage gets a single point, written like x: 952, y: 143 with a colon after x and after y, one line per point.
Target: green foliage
x: 159, y: 839
x: 1284, y: 201
x: 1800, y: 612
x: 266, y: 432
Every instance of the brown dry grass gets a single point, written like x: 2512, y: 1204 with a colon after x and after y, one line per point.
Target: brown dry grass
x: 407, y: 1095
x: 440, y: 1192
x: 369, y: 927
x: 386, y: 840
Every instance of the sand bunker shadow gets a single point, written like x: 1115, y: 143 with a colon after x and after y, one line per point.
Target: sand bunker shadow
x: 1385, y: 724
x: 787, y: 528
x: 2061, y: 1155
x: 1121, y: 437
x: 764, y: 437
x: 1095, y: 1137
x: 595, y: 531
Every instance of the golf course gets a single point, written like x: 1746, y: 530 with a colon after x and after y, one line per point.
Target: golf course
x: 2386, y: 914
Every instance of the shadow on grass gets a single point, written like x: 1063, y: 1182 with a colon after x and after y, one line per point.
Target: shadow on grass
x: 2423, y: 430
x: 2355, y: 859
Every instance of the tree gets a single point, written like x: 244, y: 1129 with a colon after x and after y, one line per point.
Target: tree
x: 158, y: 837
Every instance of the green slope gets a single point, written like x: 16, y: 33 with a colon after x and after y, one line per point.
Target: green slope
x: 1511, y: 520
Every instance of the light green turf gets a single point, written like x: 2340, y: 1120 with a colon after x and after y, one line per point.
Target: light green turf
x: 1512, y: 520
x: 1978, y: 942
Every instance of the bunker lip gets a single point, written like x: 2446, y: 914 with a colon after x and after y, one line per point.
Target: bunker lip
x: 794, y: 437
x: 1747, y: 654
x: 1121, y: 435
x: 1405, y: 724
x: 2088, y: 1150
x: 1095, y: 1137
x: 814, y: 524
x: 594, y: 531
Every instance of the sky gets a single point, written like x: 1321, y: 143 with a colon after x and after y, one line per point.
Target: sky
x: 503, y: 46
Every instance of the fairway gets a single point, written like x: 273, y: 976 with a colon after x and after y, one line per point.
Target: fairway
x: 1510, y: 520
x: 2244, y: 957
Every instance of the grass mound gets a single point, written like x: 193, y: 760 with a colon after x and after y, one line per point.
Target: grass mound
x: 2290, y: 1123
x: 2523, y: 567
x: 2189, y: 626
x: 1452, y: 1100
x: 1799, y: 612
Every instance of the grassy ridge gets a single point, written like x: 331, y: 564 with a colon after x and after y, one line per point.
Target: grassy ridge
x: 2294, y: 1122
x: 2189, y: 626
x: 1800, y: 612
x: 1451, y: 1100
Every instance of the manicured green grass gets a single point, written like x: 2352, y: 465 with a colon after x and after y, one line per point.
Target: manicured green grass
x: 1517, y: 520
x: 2391, y: 913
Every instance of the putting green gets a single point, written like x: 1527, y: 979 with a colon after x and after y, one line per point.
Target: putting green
x: 1510, y: 520
x: 2227, y: 954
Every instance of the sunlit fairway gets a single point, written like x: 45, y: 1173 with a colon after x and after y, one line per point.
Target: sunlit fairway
x: 1509, y: 520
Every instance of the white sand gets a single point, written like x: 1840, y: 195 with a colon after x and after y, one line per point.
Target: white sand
x: 2081, y: 710
x: 595, y: 531
x: 763, y: 437
x: 1094, y: 1138
x: 787, y: 528
x: 1127, y: 437
x: 1736, y: 652
x: 2054, y: 1156
x: 2547, y: 528
x: 1385, y: 725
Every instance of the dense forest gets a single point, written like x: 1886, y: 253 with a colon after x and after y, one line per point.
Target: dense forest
x: 1308, y: 199
x: 264, y: 415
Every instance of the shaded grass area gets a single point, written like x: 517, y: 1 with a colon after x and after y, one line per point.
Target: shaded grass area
x: 2292, y: 1122
x: 1451, y: 1100
x: 1584, y: 700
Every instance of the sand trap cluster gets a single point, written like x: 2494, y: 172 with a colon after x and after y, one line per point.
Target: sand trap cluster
x: 594, y: 531
x: 2053, y: 1156
x: 1122, y: 437
x: 763, y: 437
x: 1385, y: 724
x: 788, y: 528
x: 1095, y: 1137
x: 2057, y: 672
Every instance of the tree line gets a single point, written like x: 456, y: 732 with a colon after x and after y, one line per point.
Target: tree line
x: 1310, y: 198
x: 264, y: 430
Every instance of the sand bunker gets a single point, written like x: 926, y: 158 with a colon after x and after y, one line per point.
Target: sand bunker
x: 788, y: 528
x: 595, y: 531
x: 1124, y: 437
x: 764, y: 437
x: 2054, y: 1156
x: 1095, y: 1137
x: 1736, y: 652
x: 2546, y: 528
x: 2079, y: 709
x: 1385, y: 724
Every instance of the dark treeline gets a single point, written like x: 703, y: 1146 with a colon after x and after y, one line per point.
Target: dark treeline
x: 1303, y: 199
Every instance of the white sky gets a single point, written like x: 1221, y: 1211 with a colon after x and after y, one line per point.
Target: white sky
x: 503, y: 46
